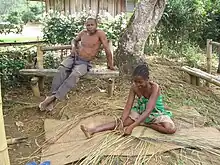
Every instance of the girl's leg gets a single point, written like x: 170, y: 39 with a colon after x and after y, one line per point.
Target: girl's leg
x: 109, y: 126
x: 164, y: 127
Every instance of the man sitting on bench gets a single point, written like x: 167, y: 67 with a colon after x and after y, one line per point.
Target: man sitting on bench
x: 78, y: 63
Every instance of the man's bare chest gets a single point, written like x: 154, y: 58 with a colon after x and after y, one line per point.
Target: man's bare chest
x: 90, y: 41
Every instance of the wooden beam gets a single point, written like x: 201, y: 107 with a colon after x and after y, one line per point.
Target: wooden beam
x: 39, y: 56
x: 202, y: 75
x: 4, y: 157
x: 218, y: 53
x: 93, y: 73
x: 209, y: 58
x: 47, y: 4
x: 214, y: 43
x: 54, y: 48
x: 66, y: 7
x: 3, y: 44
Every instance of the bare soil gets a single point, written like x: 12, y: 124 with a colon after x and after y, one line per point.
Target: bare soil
x: 23, y: 119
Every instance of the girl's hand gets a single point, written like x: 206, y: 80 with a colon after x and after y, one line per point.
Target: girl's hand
x: 128, y: 131
x: 121, y: 128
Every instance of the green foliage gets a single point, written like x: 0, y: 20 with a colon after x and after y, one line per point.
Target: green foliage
x: 33, y: 14
x: 14, y: 59
x: 8, y: 28
x: 10, y: 64
x: 184, y: 24
x: 61, y: 29
x: 189, y: 21
x: 14, y: 18
x: 51, y: 61
x: 27, y: 17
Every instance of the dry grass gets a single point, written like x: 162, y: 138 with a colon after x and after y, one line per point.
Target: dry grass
x: 89, y: 97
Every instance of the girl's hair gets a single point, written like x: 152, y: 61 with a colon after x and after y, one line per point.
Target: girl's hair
x: 141, y: 70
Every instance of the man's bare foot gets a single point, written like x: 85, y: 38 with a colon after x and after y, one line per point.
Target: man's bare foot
x: 86, y: 131
x: 50, y: 106
x: 43, y: 105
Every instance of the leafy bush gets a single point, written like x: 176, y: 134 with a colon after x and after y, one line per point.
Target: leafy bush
x: 6, y: 28
x: 10, y: 64
x: 61, y: 29
x: 28, y: 16
x: 12, y: 60
x: 14, y: 18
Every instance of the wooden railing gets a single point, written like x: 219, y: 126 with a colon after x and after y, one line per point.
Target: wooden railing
x: 210, y: 44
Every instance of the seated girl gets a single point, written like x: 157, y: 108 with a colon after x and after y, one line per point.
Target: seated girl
x: 148, y: 111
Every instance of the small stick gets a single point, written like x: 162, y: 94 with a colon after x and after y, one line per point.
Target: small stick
x: 16, y: 140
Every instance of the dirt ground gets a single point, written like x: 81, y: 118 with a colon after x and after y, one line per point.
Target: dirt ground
x: 23, y: 119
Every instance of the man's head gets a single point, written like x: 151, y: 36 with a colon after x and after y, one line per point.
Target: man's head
x: 141, y: 76
x: 91, y: 25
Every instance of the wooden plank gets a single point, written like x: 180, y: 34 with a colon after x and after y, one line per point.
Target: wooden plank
x: 87, y: 4
x: 47, y: 3
x: 110, y: 7
x: 94, y: 6
x: 3, y: 44
x: 101, y: 6
x: 204, y: 76
x: 78, y: 5
x: 72, y: 6
x: 66, y: 7
x: 123, y: 5
x: 4, y: 157
x: 215, y: 43
x: 98, y: 8
x: 54, y: 48
x: 101, y: 72
x: 105, y: 5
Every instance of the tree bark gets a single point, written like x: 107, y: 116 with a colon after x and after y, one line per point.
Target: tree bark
x: 132, y: 41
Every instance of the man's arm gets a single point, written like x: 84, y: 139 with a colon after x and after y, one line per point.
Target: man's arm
x: 106, y: 47
x: 75, y: 41
x: 150, y: 106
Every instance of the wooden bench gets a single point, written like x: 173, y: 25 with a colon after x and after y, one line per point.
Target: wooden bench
x: 39, y: 74
x: 197, y: 74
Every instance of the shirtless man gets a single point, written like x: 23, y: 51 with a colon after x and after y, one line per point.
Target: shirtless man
x: 78, y: 63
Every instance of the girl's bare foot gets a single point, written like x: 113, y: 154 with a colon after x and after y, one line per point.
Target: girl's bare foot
x: 85, y: 130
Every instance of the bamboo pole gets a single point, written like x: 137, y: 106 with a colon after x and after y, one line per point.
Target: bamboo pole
x: 215, y: 43
x: 40, y: 65
x: 218, y: 53
x: 201, y: 75
x: 209, y: 58
x: 4, y: 157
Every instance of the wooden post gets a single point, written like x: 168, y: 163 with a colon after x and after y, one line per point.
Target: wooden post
x: 218, y: 53
x: 111, y: 86
x: 111, y: 81
x: 4, y: 158
x: 198, y: 81
x: 193, y: 80
x: 35, y: 86
x: 209, y: 58
x: 40, y: 65
x: 47, y: 3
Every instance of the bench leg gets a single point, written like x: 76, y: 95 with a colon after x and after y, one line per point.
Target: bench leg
x: 41, y: 83
x: 198, y: 81
x: 192, y: 80
x: 35, y: 87
x: 111, y: 85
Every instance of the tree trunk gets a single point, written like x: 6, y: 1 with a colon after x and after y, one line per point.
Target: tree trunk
x: 132, y: 41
